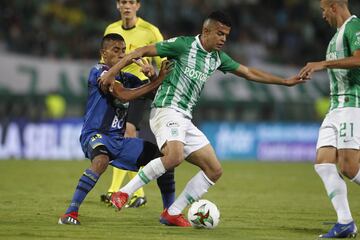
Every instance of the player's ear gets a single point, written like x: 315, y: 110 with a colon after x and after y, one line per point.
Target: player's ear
x: 333, y: 7
x: 118, y: 5
x: 138, y: 5
x: 103, y: 54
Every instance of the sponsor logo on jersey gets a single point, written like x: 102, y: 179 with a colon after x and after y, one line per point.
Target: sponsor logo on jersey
x: 172, y: 124
x: 331, y: 56
x: 132, y: 46
x: 357, y: 42
x: 171, y: 40
x: 197, y: 75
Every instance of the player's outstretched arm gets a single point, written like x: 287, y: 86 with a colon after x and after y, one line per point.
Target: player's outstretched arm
x: 257, y: 75
x: 128, y: 94
x: 108, y: 78
x: 345, y: 63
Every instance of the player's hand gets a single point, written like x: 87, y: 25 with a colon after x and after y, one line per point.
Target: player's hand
x: 166, y: 68
x: 294, y: 80
x: 145, y: 66
x: 106, y: 82
x: 310, y: 68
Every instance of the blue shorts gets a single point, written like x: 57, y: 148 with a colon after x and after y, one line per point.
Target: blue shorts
x: 124, y: 152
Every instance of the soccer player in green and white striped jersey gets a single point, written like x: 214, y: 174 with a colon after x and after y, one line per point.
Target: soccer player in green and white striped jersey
x: 339, y: 134
x: 195, y: 59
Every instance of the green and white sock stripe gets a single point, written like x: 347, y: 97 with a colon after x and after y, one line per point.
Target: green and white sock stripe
x: 143, y: 177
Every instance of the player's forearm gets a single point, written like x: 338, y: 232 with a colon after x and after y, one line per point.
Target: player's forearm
x: 114, y: 70
x: 126, y: 94
x: 264, y: 77
x: 345, y: 63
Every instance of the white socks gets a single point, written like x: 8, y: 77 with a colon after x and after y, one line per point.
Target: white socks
x: 336, y: 189
x: 356, y: 179
x: 152, y: 170
x: 195, y: 188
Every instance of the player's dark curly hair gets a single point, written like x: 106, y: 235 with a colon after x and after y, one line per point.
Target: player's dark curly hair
x: 111, y: 36
x: 220, y: 17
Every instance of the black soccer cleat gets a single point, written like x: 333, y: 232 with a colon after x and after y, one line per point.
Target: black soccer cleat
x: 136, y: 202
x: 105, y: 198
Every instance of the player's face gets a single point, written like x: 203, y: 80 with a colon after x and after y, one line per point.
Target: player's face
x: 216, y: 35
x: 128, y: 8
x: 328, y: 12
x: 113, y: 52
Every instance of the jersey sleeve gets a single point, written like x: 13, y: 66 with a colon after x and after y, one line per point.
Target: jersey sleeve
x: 227, y: 63
x: 171, y: 48
x: 95, y: 73
x: 353, y: 35
x: 108, y: 30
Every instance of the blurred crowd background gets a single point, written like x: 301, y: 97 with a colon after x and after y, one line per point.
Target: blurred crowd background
x: 283, y: 32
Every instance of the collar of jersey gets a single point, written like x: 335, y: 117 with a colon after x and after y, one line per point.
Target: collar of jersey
x: 197, y: 38
x: 127, y: 29
x: 347, y: 20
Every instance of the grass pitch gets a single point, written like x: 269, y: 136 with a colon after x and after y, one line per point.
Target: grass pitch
x: 256, y: 201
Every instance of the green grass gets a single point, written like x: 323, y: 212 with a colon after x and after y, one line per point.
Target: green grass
x: 256, y: 201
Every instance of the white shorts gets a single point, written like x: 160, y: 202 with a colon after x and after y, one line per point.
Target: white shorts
x: 340, y: 129
x: 170, y: 125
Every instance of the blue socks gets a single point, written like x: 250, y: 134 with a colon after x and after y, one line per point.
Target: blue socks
x: 86, y: 183
x: 166, y: 183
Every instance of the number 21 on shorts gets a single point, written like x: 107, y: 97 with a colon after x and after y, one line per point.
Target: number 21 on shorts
x: 346, y: 130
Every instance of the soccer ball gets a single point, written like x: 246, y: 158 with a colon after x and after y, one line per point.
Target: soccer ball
x: 203, y: 214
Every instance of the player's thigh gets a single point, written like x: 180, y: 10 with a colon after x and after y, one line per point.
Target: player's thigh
x: 328, y: 139
x: 130, y: 130
x: 173, y: 152
x: 168, y: 125
x: 206, y: 159
x: 128, y: 153
x: 349, y: 162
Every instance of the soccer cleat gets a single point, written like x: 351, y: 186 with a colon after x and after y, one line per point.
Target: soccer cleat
x: 136, y: 202
x: 119, y: 199
x: 70, y: 219
x: 106, y: 197
x: 342, y: 231
x: 173, y: 220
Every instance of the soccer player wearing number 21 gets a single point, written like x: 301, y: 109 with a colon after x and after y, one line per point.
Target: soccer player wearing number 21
x: 195, y: 59
x: 339, y: 134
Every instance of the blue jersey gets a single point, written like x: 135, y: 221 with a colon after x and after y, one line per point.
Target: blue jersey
x: 104, y: 113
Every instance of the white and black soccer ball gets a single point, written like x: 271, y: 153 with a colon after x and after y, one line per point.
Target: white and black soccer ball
x: 203, y: 214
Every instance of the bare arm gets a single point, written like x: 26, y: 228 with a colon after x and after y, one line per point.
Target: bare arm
x: 108, y: 78
x: 127, y: 94
x: 257, y: 75
x: 345, y: 63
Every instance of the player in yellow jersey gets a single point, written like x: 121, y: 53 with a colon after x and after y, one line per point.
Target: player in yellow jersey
x: 138, y: 33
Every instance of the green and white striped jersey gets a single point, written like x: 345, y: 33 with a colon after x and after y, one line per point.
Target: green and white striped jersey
x: 344, y: 83
x: 193, y: 65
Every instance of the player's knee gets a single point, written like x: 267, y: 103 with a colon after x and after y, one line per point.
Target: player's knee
x: 173, y: 160
x: 99, y: 164
x: 130, y: 130
x: 347, y: 170
x: 217, y: 173
x: 213, y: 172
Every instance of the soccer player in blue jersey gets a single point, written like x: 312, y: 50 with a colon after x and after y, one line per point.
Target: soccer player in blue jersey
x: 102, y: 136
